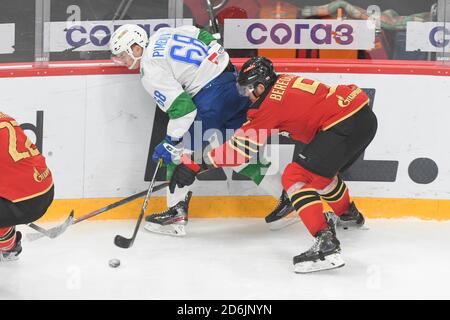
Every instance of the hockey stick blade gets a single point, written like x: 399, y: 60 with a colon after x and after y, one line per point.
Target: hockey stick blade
x: 123, y: 242
x: 34, y: 236
x: 57, y: 231
x: 52, y: 232
x: 126, y: 243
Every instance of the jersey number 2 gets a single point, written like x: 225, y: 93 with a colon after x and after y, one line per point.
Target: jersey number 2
x: 13, y: 152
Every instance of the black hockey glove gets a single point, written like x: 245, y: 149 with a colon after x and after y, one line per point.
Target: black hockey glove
x: 184, y: 174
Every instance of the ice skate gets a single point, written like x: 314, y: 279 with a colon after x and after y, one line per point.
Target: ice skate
x: 351, y: 219
x: 13, y: 254
x: 331, y: 218
x: 324, y: 254
x: 283, y: 215
x: 171, y: 222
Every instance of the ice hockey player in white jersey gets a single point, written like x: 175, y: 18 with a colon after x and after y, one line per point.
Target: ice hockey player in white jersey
x: 190, y: 76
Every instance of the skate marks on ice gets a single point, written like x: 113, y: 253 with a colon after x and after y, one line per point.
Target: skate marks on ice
x: 231, y: 259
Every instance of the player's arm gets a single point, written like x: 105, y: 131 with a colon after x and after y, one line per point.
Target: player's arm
x: 170, y: 98
x: 206, y: 37
x: 182, y: 113
x: 175, y: 102
x: 243, y: 146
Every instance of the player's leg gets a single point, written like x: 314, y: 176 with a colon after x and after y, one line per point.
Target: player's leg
x: 335, y: 150
x: 173, y: 221
x: 12, y: 214
x: 211, y: 103
x: 209, y: 124
x: 302, y: 187
x: 10, y: 244
x: 345, y: 214
x: 207, y: 127
x: 362, y: 127
x: 265, y: 173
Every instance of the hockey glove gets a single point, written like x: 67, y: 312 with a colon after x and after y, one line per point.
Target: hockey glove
x: 167, y: 150
x: 184, y: 174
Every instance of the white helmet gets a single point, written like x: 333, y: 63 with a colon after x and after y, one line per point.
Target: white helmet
x: 124, y: 38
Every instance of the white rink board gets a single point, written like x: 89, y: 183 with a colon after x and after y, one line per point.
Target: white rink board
x: 97, y: 132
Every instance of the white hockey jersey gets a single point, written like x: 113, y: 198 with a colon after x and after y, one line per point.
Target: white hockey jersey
x: 175, y: 66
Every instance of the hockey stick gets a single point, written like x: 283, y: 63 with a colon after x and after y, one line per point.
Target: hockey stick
x: 56, y: 231
x: 52, y: 232
x: 119, y: 203
x: 123, y: 242
x: 212, y: 19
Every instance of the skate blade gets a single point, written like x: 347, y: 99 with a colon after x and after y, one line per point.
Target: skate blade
x: 351, y: 226
x: 332, y: 261
x: 9, y: 258
x: 175, y: 230
x: 284, y: 222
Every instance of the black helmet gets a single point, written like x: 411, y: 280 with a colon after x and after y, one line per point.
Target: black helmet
x: 257, y: 70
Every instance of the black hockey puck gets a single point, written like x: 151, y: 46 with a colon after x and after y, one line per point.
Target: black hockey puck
x: 114, y: 263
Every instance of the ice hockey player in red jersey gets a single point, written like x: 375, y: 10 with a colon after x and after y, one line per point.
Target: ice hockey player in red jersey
x: 336, y: 124
x: 26, y: 185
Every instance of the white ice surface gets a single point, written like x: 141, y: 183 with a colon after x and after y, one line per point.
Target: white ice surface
x: 231, y: 259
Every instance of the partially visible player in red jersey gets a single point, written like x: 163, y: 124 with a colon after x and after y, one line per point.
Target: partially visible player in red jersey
x: 335, y: 123
x: 26, y: 185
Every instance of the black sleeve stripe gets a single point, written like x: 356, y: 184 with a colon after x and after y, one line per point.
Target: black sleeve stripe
x: 238, y: 149
x: 245, y: 144
x: 243, y: 148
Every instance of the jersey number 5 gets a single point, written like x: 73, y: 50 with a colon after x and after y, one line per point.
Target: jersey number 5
x: 13, y: 152
x: 303, y: 86
x: 311, y: 87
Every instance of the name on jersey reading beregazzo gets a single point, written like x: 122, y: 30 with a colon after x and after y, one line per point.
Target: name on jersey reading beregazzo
x: 280, y: 87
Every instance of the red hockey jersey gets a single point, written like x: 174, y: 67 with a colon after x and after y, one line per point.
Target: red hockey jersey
x: 299, y: 106
x: 23, y: 171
